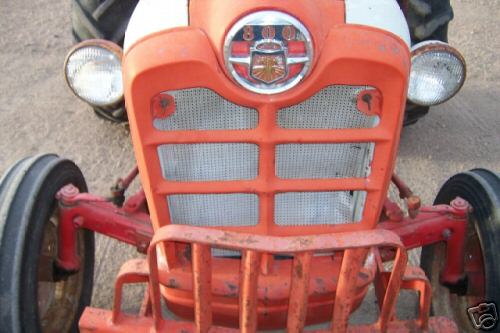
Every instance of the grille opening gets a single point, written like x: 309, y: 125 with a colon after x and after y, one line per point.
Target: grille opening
x: 318, y: 161
x: 319, y: 208
x: 214, y: 210
x: 204, y: 109
x: 334, y: 107
x: 226, y: 253
x: 209, y: 161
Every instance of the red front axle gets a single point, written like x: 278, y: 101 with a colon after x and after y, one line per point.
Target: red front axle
x: 131, y: 224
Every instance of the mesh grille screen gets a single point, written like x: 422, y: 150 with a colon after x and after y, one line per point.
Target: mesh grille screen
x: 317, y: 208
x: 203, y: 109
x: 238, y: 209
x: 333, y: 107
x: 209, y: 161
x: 323, y: 160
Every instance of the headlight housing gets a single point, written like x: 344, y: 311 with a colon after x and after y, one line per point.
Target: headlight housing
x: 93, y: 71
x: 438, y: 72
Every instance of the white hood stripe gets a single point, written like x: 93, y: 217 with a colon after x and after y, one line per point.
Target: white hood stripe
x: 382, y: 14
x: 151, y: 16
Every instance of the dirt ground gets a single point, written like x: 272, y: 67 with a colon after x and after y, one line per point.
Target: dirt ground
x: 39, y: 114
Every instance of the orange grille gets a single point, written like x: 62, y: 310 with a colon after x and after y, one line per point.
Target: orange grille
x: 334, y: 107
x: 228, y: 158
x: 266, y: 187
x: 238, y: 161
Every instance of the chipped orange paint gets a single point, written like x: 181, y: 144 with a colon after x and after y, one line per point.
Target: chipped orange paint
x: 355, y: 247
x: 344, y: 55
x: 189, y: 57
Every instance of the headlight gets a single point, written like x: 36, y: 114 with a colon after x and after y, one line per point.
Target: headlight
x: 93, y: 72
x: 437, y: 73
x: 268, y: 52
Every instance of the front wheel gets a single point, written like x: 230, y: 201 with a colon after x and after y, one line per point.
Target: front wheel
x: 481, y: 188
x: 36, y: 296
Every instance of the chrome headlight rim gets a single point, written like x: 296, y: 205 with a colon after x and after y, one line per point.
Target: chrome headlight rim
x: 437, y: 46
x: 106, y: 45
x: 267, y: 17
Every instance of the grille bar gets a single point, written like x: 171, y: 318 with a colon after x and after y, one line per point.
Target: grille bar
x: 261, y: 186
x: 274, y: 136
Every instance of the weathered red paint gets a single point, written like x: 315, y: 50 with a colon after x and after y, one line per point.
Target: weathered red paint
x: 82, y: 210
x: 354, y: 246
x: 437, y: 224
x: 429, y: 226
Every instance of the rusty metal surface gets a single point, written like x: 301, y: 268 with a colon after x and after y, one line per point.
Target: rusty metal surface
x: 271, y: 244
x: 56, y: 290
x: 356, y: 247
x: 84, y: 210
x: 356, y: 254
x: 297, y: 307
x: 351, y: 265
x: 98, y: 321
x: 132, y: 271
x: 248, y: 295
x: 129, y: 224
x: 202, y: 281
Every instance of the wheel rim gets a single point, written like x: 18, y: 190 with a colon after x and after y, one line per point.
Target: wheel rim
x: 57, y: 300
x: 453, y: 305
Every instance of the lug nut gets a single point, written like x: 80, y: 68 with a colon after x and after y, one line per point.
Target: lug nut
x: 68, y: 194
x: 461, y: 207
x: 446, y: 233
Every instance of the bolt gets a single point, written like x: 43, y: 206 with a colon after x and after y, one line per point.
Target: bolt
x: 70, y: 190
x: 459, y: 203
x: 164, y: 103
x: 413, y: 202
x: 461, y: 206
x: 446, y: 233
x: 68, y: 193
x: 367, y: 98
x: 142, y: 246
x: 78, y: 221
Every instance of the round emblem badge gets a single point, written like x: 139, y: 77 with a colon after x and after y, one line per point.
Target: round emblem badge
x: 268, y: 52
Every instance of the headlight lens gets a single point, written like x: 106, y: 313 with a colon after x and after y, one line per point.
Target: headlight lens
x: 94, y: 73
x: 437, y: 73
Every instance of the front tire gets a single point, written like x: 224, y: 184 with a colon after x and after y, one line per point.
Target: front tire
x: 481, y: 188
x: 36, y: 296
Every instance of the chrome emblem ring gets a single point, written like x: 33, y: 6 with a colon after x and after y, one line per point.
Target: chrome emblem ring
x: 268, y: 52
